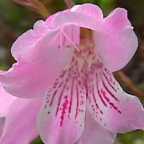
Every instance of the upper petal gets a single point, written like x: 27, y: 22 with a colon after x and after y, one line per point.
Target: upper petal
x: 117, y: 42
x: 118, y: 19
x: 95, y: 133
x: 116, y: 48
x: 20, y: 122
x: 90, y: 10
x: 28, y: 40
x: 78, y: 15
x: 40, y: 44
x: 114, y: 37
x: 113, y: 108
x: 39, y: 66
x: 76, y: 18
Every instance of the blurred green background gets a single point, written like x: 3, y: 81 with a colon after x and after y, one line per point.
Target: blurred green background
x: 15, y: 19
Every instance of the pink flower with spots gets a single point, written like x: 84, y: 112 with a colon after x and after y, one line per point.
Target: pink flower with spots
x: 68, y: 61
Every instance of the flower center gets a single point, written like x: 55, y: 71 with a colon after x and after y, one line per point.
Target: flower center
x: 85, y: 56
x: 70, y: 89
x: 84, y: 80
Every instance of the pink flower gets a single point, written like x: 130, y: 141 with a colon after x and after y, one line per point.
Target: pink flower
x: 72, y: 72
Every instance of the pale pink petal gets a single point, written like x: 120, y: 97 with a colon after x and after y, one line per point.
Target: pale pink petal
x: 118, y: 19
x: 40, y: 44
x: 17, y: 124
x: 61, y: 120
x: 117, y: 43
x: 78, y: 16
x: 44, y: 41
x: 20, y: 123
x: 89, y: 9
x: 70, y: 33
x: 95, y: 134
x: 114, y: 109
x: 29, y: 80
x: 48, y: 59
x: 5, y: 101
x: 27, y: 41
x: 50, y: 20
x: 78, y: 19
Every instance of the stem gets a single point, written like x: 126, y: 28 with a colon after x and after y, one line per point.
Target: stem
x: 125, y: 80
x: 141, y: 48
x: 35, y: 5
x: 41, y: 8
x: 69, y: 3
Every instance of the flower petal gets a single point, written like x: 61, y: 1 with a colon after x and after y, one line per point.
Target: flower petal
x: 61, y: 120
x: 33, y: 78
x: 112, y: 107
x: 5, y: 102
x: 25, y: 43
x: 117, y: 43
x: 94, y: 133
x: 31, y: 48
x: 20, y: 123
x: 78, y: 16
x: 78, y: 19
x: 118, y: 19
x: 28, y: 80
x: 89, y: 9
